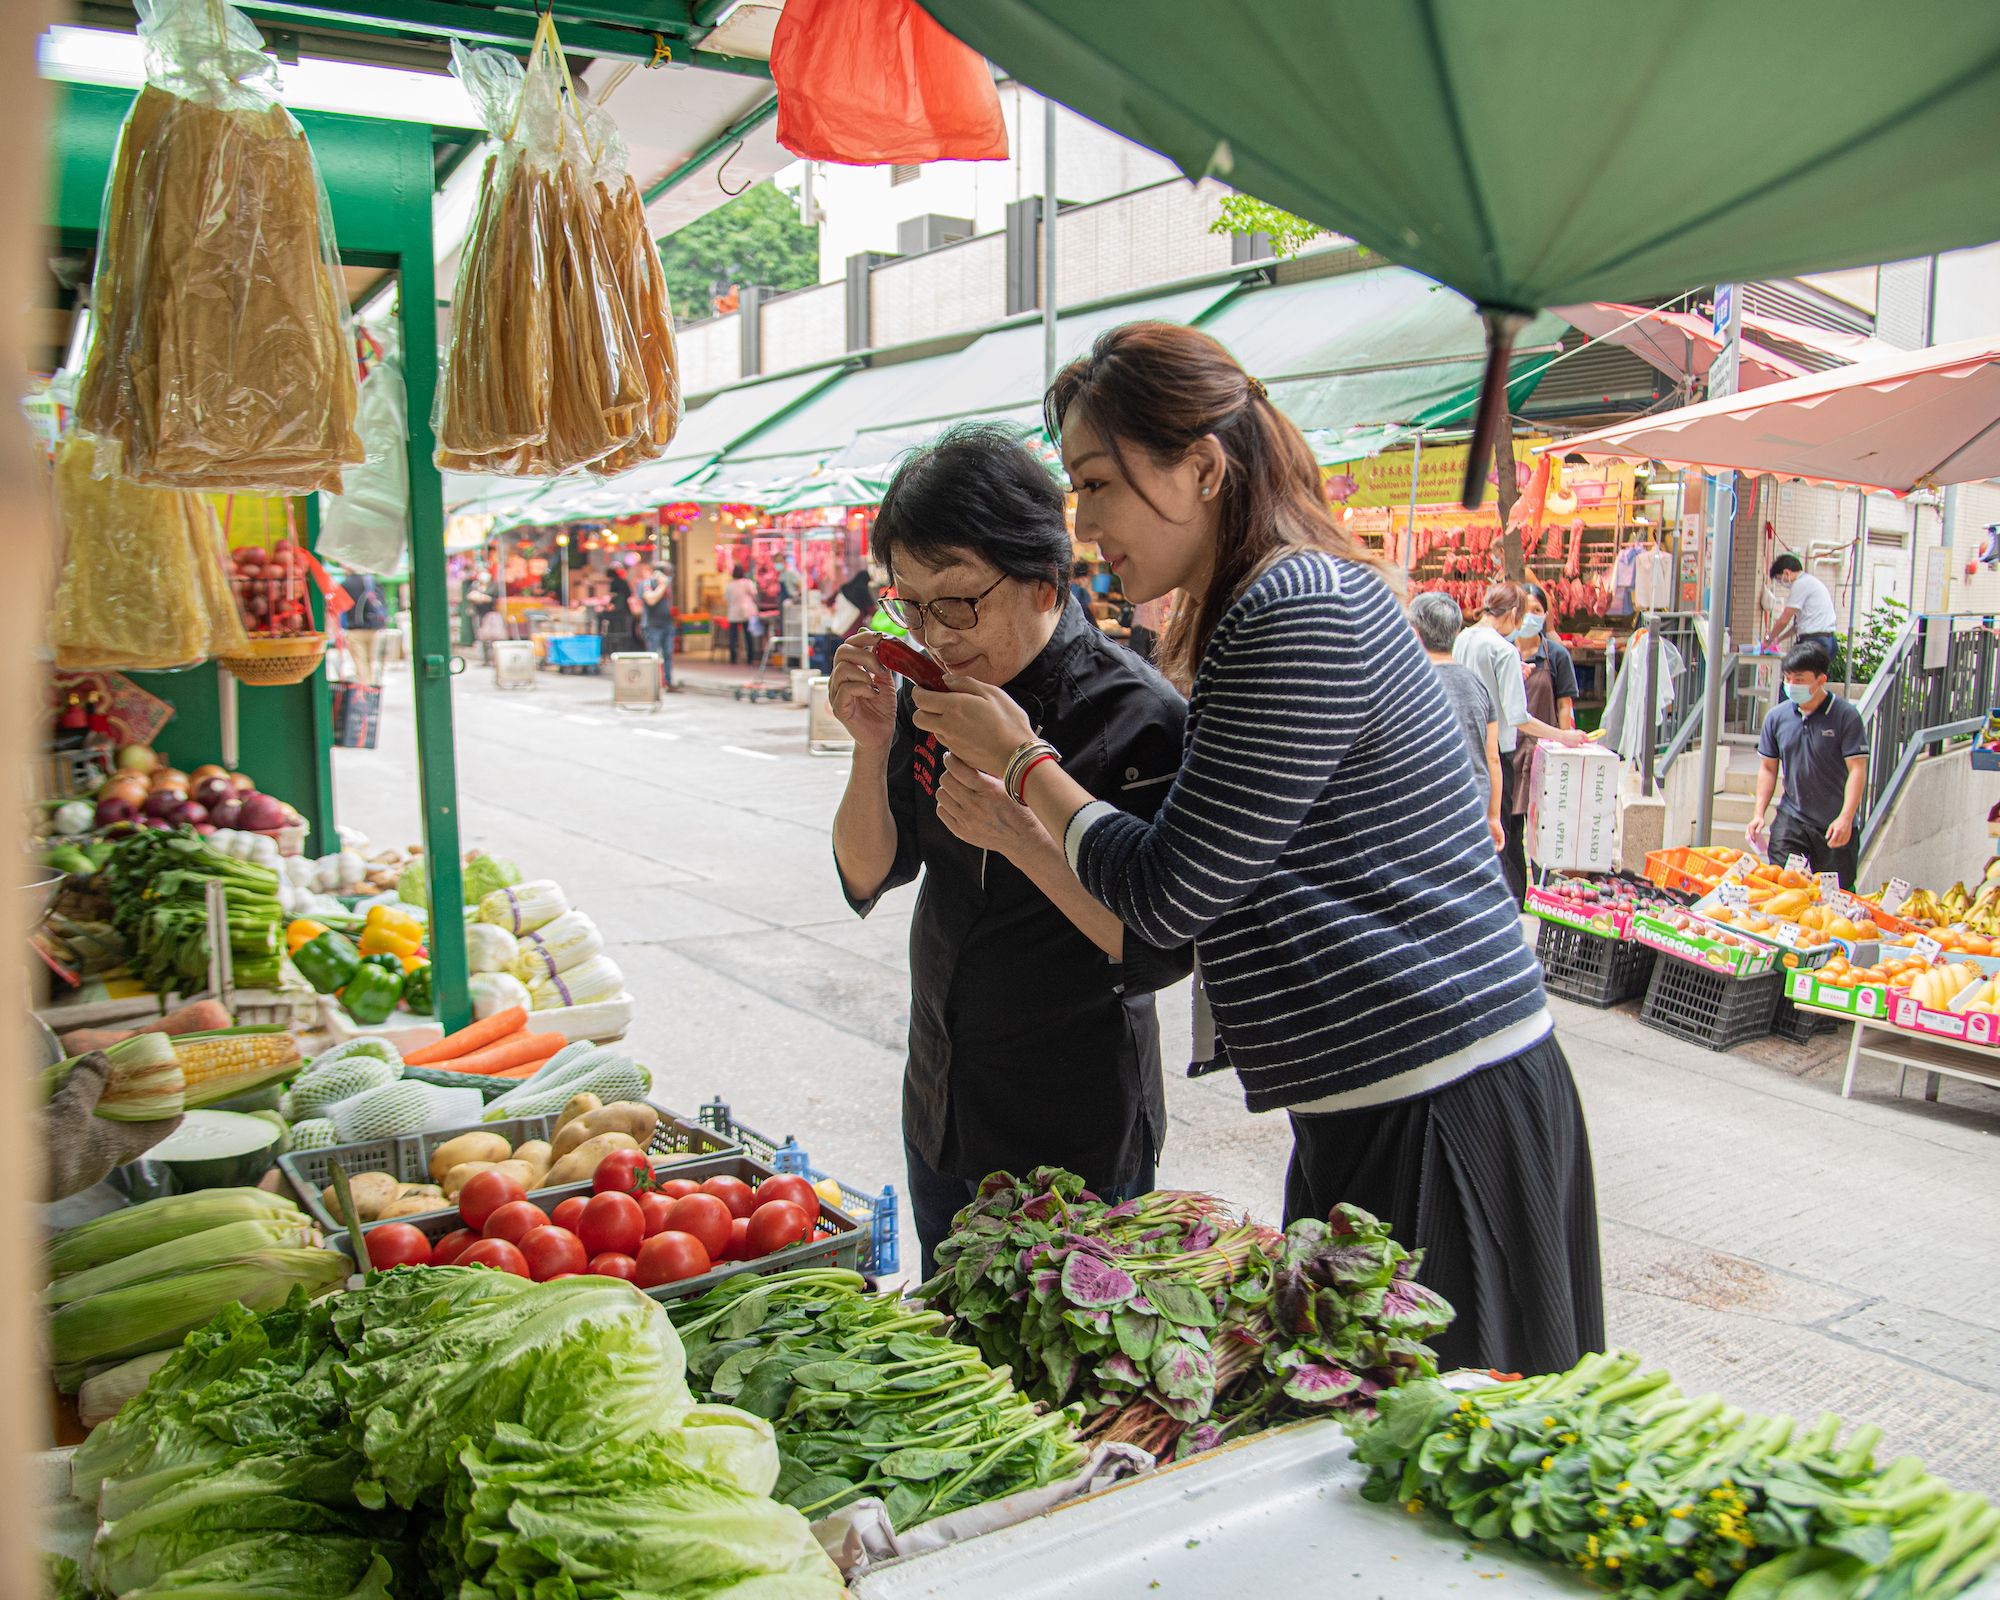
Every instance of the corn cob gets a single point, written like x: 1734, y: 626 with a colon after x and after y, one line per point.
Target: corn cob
x: 140, y: 1227
x: 184, y: 1254
x: 158, y: 1315
x: 146, y: 1083
x: 233, y: 1061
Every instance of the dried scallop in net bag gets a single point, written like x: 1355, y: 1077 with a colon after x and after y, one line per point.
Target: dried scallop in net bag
x: 221, y: 356
x: 142, y: 582
x: 561, y: 353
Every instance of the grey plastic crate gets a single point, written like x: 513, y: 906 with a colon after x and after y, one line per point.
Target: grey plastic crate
x: 837, y: 1238
x: 409, y: 1157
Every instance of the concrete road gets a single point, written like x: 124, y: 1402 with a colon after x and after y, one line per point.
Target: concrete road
x: 1763, y: 1237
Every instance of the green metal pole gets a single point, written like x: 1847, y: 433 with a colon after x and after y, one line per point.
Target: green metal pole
x: 430, y: 621
x: 320, y: 811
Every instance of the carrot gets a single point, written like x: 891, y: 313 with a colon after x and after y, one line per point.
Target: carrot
x: 517, y: 1050
x: 489, y: 1030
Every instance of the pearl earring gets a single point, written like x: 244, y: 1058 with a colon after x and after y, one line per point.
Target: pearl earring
x: 1207, y: 489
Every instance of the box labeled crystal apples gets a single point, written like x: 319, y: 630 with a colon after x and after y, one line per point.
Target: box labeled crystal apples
x: 1573, y: 807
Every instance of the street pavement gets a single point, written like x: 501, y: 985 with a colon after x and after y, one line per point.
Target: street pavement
x: 1763, y: 1238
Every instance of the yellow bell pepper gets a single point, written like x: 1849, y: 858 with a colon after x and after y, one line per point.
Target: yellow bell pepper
x: 391, y: 932
x: 301, y: 933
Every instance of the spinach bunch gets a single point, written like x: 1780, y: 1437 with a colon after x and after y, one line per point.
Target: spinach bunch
x: 1174, y: 1324
x: 869, y: 1396
x: 1616, y: 1473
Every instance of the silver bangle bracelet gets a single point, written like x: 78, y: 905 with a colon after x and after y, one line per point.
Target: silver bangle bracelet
x: 1018, y: 764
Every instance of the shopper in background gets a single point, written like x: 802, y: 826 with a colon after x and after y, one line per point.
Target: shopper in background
x: 1033, y: 1036
x: 1323, y: 844
x: 739, y: 604
x: 1562, y: 665
x: 482, y: 600
x: 1538, y: 688
x: 1820, y: 744
x: 655, y: 611
x: 1080, y: 573
x: 621, y: 625
x: 1438, y: 621
x: 1807, y: 609
x: 1488, y: 648
x: 363, y: 623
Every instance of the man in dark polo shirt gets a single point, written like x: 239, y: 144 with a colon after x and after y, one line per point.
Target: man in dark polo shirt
x: 1818, y: 740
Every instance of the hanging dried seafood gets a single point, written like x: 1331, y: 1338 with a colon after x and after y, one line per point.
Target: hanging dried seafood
x: 220, y: 355
x: 562, y: 348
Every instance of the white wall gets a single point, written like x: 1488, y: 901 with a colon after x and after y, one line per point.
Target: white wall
x: 862, y: 207
x: 1968, y: 295
x: 1936, y: 832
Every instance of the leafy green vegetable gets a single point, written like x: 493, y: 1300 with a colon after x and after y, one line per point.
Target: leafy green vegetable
x: 484, y: 874
x: 413, y: 884
x: 868, y: 1396
x: 1616, y: 1473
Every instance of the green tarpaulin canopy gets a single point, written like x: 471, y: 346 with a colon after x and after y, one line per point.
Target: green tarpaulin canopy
x: 1552, y: 151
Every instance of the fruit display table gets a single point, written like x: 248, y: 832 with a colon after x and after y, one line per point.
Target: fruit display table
x: 1931, y: 1055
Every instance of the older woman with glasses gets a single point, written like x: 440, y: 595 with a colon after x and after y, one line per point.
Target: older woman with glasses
x: 1033, y: 1036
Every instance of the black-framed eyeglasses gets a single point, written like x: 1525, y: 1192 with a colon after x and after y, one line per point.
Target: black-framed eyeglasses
x: 959, y: 613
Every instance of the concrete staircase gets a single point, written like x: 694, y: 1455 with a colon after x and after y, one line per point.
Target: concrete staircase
x: 1735, y: 791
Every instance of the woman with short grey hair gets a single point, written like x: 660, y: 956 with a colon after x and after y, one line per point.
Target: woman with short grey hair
x: 1437, y: 619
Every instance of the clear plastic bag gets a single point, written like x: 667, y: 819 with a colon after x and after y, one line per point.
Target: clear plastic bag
x: 143, y: 581
x: 562, y: 351
x: 364, y: 527
x: 220, y: 357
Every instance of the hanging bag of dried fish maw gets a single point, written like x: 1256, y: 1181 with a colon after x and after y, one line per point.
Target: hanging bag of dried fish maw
x: 221, y: 357
x: 561, y: 350
x: 142, y: 581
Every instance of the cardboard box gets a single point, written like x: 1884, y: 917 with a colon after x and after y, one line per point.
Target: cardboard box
x: 1968, y: 1027
x: 1602, y: 922
x: 1573, y: 807
x: 1869, y: 1001
x: 1754, y: 962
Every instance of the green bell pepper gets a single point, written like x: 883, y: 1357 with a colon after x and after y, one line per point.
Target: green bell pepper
x: 417, y: 989
x: 327, y: 962
x: 384, y: 960
x: 371, y: 994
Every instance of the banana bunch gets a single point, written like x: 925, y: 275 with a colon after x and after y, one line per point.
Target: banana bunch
x: 1957, y: 901
x: 1983, y: 915
x: 1924, y: 905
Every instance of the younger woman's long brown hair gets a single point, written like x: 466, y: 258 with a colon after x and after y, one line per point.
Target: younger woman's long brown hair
x: 1160, y: 387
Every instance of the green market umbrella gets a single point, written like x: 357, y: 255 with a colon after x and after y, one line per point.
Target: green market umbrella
x: 1550, y: 152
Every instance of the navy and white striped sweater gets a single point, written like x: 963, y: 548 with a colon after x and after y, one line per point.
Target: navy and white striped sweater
x: 1325, y: 847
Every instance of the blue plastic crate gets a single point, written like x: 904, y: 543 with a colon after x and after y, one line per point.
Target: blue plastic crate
x: 575, y: 650
x: 878, y: 1213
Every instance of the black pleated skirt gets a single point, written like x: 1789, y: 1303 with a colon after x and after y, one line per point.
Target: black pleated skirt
x: 1490, y: 1177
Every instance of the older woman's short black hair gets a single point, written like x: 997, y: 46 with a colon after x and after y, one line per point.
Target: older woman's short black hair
x: 975, y: 490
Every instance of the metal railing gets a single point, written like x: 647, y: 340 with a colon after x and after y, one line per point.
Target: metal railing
x: 1912, y: 709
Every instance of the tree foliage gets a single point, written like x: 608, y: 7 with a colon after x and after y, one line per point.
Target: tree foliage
x: 1289, y: 234
x: 756, y: 239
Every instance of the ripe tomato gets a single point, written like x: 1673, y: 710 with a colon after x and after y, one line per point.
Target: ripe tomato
x: 570, y: 1212
x: 612, y: 1222
x: 704, y: 1216
x: 613, y: 1265
x: 669, y: 1257
x: 789, y: 1186
x: 653, y: 1208
x: 739, y: 1240
x: 551, y: 1252
x: 484, y: 1194
x: 678, y: 1188
x: 515, y: 1221
x: 778, y: 1223
x: 732, y: 1192
x: 397, y: 1244
x: 497, y: 1254
x: 453, y: 1245
x: 623, y: 1172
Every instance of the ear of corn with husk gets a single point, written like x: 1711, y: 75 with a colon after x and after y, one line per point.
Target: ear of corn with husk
x: 141, y: 1227
x: 232, y: 1061
x: 175, y: 1256
x: 146, y: 1083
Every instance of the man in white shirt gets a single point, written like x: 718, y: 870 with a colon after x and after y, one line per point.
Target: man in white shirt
x: 1808, y: 607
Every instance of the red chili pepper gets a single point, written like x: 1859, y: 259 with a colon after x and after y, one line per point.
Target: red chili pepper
x: 911, y: 663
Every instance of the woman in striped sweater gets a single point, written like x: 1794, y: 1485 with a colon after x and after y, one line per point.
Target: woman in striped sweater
x: 1323, y: 845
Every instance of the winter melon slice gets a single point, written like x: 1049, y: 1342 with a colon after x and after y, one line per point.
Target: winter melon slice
x: 219, y: 1149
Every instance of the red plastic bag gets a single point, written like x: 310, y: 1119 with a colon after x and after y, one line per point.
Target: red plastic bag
x: 870, y: 82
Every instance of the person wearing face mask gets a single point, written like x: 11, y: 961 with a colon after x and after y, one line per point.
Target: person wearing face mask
x: 1324, y: 844
x: 1493, y: 649
x: 1819, y: 743
x: 1033, y: 1035
x: 1806, y: 607
x: 1562, y: 666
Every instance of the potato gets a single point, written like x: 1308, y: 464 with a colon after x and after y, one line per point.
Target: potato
x: 413, y: 1205
x: 416, y: 1191
x: 537, y: 1154
x: 625, y: 1116
x: 574, y: 1107
x: 371, y: 1190
x: 526, y: 1174
x: 581, y: 1163
x: 463, y: 1173
x: 468, y: 1147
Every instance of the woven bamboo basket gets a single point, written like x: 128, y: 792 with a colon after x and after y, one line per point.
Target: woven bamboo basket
x: 272, y: 662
